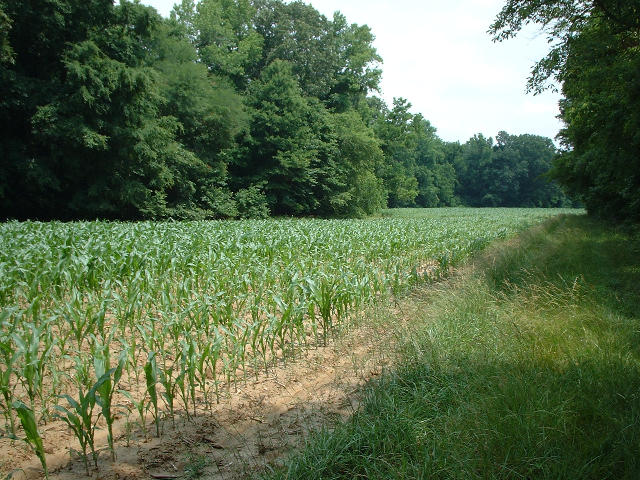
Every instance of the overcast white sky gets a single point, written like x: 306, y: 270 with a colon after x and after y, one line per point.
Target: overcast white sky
x: 438, y: 56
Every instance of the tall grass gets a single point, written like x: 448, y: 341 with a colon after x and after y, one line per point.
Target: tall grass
x: 527, y: 367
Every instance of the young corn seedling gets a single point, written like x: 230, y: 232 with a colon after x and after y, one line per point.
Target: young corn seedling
x: 6, y: 387
x: 282, y: 319
x: 236, y: 337
x: 323, y: 296
x: 242, y: 334
x: 201, y: 373
x: 141, y: 407
x: 151, y: 376
x: 187, y: 378
x: 102, y: 365
x: 229, y: 360
x: 33, y: 438
x: 212, y: 359
x: 34, y: 359
x: 182, y: 390
x: 270, y: 333
x: 171, y: 357
x: 78, y: 317
x: 297, y: 327
x: 100, y: 315
x: 308, y: 286
x: 255, y: 329
x: 169, y: 385
x: 79, y: 417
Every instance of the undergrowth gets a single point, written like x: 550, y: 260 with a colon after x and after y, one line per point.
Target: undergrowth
x: 527, y: 365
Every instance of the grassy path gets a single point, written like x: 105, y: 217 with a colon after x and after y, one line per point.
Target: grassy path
x: 526, y: 365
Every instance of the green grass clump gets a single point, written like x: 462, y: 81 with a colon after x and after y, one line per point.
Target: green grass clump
x: 526, y: 366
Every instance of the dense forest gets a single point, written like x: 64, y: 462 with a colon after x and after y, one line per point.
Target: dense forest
x: 595, y: 58
x: 240, y: 108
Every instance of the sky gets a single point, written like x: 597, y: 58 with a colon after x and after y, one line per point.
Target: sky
x: 437, y: 55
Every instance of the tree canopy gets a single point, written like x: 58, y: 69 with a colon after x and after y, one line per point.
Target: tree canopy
x: 595, y: 57
x: 229, y: 108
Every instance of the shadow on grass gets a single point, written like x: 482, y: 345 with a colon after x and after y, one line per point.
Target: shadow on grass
x: 475, y: 420
x: 573, y: 247
x: 529, y: 368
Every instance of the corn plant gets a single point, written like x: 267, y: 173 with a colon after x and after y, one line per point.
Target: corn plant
x: 151, y: 377
x: 282, y: 320
x: 256, y: 340
x: 170, y: 387
x: 80, y: 321
x: 213, y: 358
x: 33, y: 438
x: 141, y: 405
x: 106, y: 390
x: 33, y: 358
x: 80, y: 419
x: 187, y: 378
x: 8, y: 357
x: 323, y: 292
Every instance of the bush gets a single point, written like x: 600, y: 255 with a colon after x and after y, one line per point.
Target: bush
x: 251, y: 202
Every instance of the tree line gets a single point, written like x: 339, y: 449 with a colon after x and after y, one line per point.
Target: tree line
x: 595, y: 59
x: 227, y: 109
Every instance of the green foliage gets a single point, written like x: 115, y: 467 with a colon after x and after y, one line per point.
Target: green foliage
x: 79, y: 415
x: 210, y: 115
x: 30, y: 427
x: 595, y: 56
x: 416, y: 170
x: 110, y: 111
x: 39, y: 35
x: 6, y: 52
x: 106, y: 111
x: 332, y: 60
x: 471, y: 165
x: 509, y: 172
x: 108, y: 115
x: 252, y: 202
x: 358, y: 65
x: 419, y: 169
x: 283, y: 148
x: 227, y: 39
x: 601, y: 108
x: 151, y: 377
x: 398, y: 135
x: 351, y: 188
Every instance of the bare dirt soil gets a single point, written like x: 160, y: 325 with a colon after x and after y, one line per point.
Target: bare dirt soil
x: 250, y: 429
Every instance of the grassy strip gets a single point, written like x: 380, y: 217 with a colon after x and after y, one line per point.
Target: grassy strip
x: 526, y: 366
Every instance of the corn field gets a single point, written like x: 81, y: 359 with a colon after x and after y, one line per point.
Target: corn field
x: 167, y: 317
